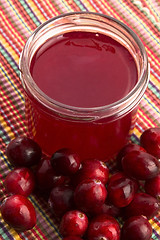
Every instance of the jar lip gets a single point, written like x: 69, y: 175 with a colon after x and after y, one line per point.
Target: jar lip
x: 49, y: 102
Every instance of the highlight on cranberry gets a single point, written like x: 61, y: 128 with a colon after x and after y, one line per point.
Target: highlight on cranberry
x: 65, y: 161
x: 87, y: 199
x: 92, y: 168
x: 103, y: 227
x: 121, y: 174
x: 20, y: 181
x: 121, y: 191
x: 89, y: 194
x: 18, y: 212
x: 73, y: 223
x: 147, y: 166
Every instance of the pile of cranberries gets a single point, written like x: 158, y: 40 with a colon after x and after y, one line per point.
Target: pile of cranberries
x: 89, y: 202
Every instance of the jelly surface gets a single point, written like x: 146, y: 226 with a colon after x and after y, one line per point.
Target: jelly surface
x: 81, y: 69
x: 84, y: 69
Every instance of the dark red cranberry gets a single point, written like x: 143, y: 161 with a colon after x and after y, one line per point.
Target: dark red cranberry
x: 119, y: 175
x: 106, y: 208
x: 94, y: 169
x: 20, y: 181
x: 152, y: 186
x: 150, y: 140
x: 121, y: 191
x: 73, y: 223
x: 18, y: 212
x: 103, y: 227
x: 136, y: 227
x: 140, y: 165
x: 72, y: 238
x: 89, y: 194
x: 65, y: 162
x: 126, y: 149
x: 116, y: 176
x: 46, y: 174
x: 23, y: 151
x: 61, y: 199
x: 142, y: 204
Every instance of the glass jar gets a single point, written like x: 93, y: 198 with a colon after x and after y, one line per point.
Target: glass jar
x: 96, y: 132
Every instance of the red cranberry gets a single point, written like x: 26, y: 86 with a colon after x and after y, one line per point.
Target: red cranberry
x: 119, y: 175
x: 140, y: 165
x: 89, y: 194
x: 18, y: 212
x: 20, y: 181
x: 92, y: 168
x: 23, y: 151
x: 73, y: 223
x: 130, y: 147
x: 103, y: 227
x: 61, y: 199
x: 107, y: 208
x: 65, y: 162
x: 152, y: 187
x: 115, y: 176
x: 136, y: 227
x: 142, y: 204
x: 121, y: 191
x: 150, y: 140
x: 72, y: 238
x: 46, y: 174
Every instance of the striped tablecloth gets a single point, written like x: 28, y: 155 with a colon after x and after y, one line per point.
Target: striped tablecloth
x: 18, y: 19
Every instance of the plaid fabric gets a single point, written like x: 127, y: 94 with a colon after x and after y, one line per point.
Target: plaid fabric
x: 18, y: 19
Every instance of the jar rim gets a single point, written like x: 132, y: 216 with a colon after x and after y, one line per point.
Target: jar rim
x: 133, y: 97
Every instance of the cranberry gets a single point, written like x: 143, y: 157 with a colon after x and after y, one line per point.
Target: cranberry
x: 142, y: 204
x: 46, y: 174
x: 116, y: 176
x: 61, y: 199
x: 152, y: 187
x: 23, y: 151
x: 150, y: 140
x: 89, y: 194
x: 121, y: 191
x: 92, y: 168
x: 107, y: 208
x: 18, y: 212
x: 140, y: 165
x: 103, y: 227
x: 130, y: 147
x: 20, y: 181
x: 73, y: 223
x: 136, y: 227
x: 65, y: 162
x: 119, y: 175
x: 72, y: 238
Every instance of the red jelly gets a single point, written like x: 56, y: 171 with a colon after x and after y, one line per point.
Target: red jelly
x: 84, y: 69
x: 83, y: 84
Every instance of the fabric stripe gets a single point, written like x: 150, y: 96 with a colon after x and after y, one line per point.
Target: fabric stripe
x: 4, y: 232
x: 139, y: 26
x: 16, y: 13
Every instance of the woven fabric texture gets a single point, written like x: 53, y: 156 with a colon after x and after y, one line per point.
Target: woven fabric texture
x: 18, y: 18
